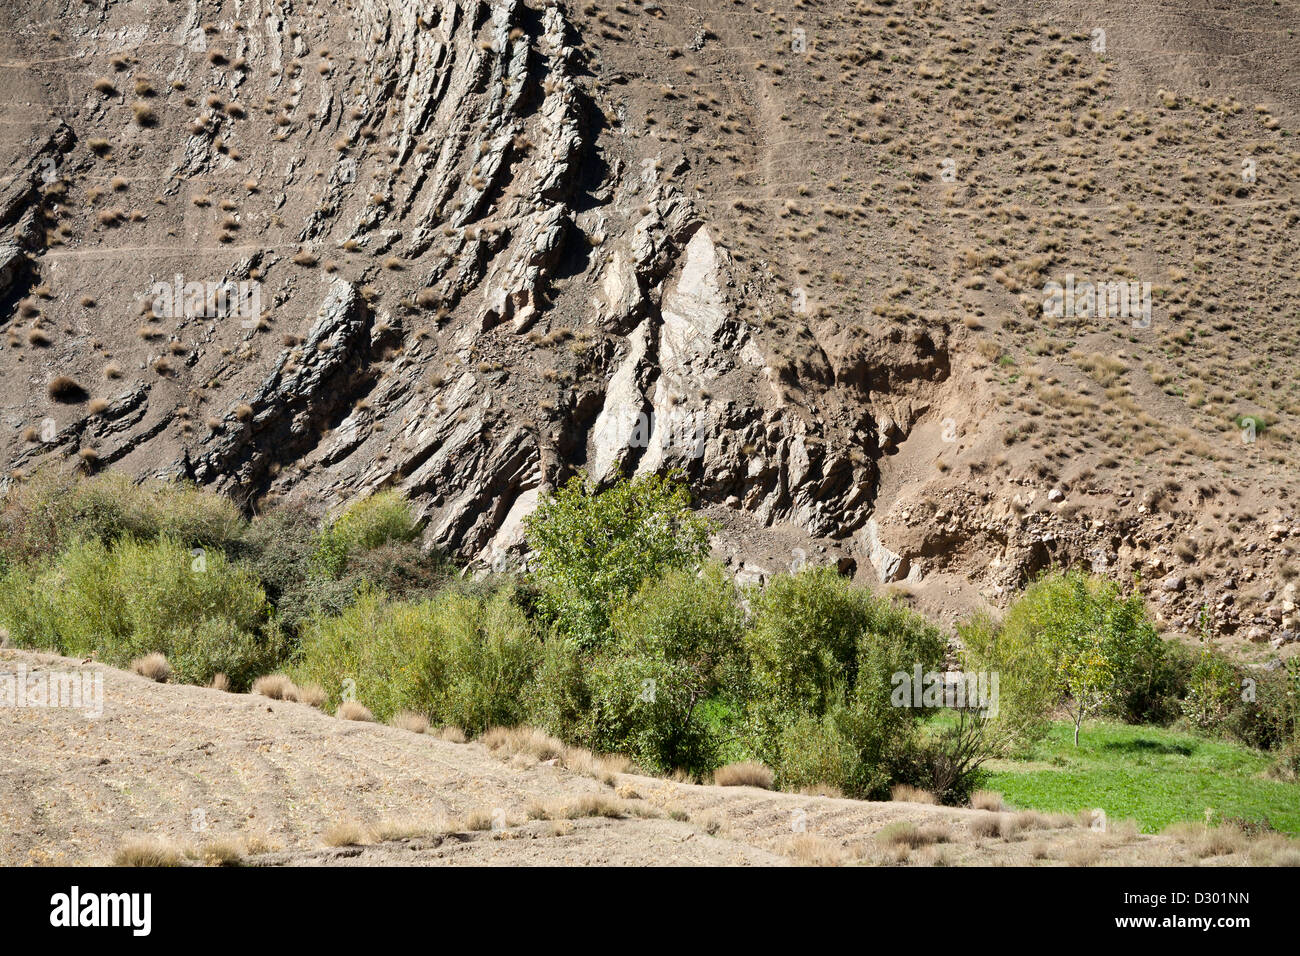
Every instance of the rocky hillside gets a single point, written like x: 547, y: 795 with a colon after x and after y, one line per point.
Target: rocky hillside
x: 306, y: 250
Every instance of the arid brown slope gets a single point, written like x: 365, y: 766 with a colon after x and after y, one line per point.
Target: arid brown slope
x: 195, y: 768
x: 488, y: 236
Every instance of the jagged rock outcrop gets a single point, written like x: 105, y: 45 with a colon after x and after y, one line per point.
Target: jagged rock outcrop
x: 526, y: 295
x: 288, y: 409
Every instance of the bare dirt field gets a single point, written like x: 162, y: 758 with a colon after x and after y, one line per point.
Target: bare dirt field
x: 213, y: 775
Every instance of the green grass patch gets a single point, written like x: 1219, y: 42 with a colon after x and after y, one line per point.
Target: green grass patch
x: 1149, y: 774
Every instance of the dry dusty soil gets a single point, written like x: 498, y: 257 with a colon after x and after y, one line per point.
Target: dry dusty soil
x: 194, y: 768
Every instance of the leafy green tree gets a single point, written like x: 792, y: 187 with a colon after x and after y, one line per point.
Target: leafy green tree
x: 595, y: 548
x: 1026, y: 691
x: 676, y: 647
x: 1097, y: 644
x: 823, y: 655
x: 1086, y: 672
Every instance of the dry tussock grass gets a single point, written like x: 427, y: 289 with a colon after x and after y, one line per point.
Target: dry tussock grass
x: 479, y: 820
x: 153, y: 666
x: 904, y: 793
x: 312, y: 695
x: 345, y: 833
x: 1262, y: 849
x: 533, y: 744
x: 508, y: 741
x: 591, y: 805
x: 223, y: 851
x: 747, y: 774
x: 354, y: 710
x: 148, y: 851
x: 1003, y: 826
x: 276, y: 687
x: 405, y: 828
x: 410, y: 720
x: 809, y: 850
x: 906, y: 833
x: 1085, y: 853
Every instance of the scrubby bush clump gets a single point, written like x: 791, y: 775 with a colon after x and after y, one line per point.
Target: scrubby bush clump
x: 823, y: 655
x: 383, y: 518
x: 676, y: 653
x: 1260, y: 708
x: 307, y: 569
x: 134, y: 598
x: 457, y: 658
x: 125, y: 569
x: 624, y: 639
x: 48, y: 512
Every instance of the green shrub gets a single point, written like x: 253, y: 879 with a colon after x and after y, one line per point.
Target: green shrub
x: 382, y: 518
x: 279, y: 548
x: 676, y: 646
x: 46, y: 513
x: 1024, y: 669
x: 594, y: 549
x: 216, y: 645
x: 1260, y: 708
x: 284, y: 548
x: 456, y: 658
x: 815, y: 751
x: 560, y: 697
x: 822, y: 655
x: 1213, y: 687
x: 858, y: 745
x: 138, y: 597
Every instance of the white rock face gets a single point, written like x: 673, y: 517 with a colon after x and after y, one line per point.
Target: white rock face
x: 509, y: 540
x: 689, y: 357
x: 622, y: 419
x: 885, y: 562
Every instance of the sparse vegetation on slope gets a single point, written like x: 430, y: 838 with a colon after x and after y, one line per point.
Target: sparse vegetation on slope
x: 665, y: 660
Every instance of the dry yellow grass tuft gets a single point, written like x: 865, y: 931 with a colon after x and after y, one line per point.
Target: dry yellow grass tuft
x: 1002, y: 825
x: 153, y: 666
x: 509, y: 741
x: 276, y: 687
x: 345, y: 834
x: 904, y: 793
x: 354, y: 710
x: 223, y: 851
x: 1083, y: 853
x: 986, y: 800
x: 406, y: 828
x: 906, y: 833
x: 809, y: 850
x: 313, y: 695
x: 147, y: 851
x: 747, y: 774
x: 409, y: 720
